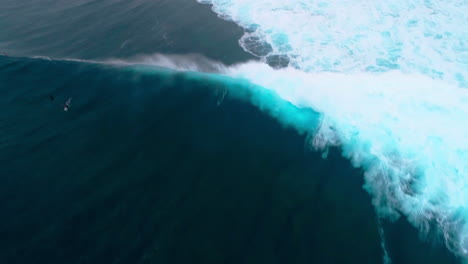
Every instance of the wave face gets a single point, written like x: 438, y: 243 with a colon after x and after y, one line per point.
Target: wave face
x: 389, y: 79
x: 164, y: 159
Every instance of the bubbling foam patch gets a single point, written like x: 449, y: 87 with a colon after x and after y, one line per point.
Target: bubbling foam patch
x: 419, y: 36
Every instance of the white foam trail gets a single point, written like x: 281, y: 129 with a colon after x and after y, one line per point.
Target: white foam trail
x: 386, y: 257
x: 389, y: 78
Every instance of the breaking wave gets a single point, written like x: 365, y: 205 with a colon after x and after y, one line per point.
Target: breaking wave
x: 389, y: 79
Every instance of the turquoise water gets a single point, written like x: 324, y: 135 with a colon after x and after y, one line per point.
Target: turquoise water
x: 200, y: 156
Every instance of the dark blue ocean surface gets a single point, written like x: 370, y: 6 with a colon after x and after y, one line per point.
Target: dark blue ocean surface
x: 151, y: 165
x: 90, y: 29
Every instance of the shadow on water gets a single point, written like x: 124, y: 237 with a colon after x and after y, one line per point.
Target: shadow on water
x: 148, y: 167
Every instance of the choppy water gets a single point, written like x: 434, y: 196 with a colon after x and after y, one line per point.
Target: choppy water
x: 89, y: 29
x: 152, y: 165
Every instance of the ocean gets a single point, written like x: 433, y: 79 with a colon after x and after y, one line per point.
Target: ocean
x: 211, y: 133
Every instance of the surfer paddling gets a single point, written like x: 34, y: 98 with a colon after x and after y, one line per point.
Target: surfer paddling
x: 67, y: 105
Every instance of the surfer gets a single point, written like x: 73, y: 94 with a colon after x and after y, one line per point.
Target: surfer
x: 67, y: 105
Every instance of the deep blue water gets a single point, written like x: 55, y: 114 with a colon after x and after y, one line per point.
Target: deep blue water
x: 90, y: 29
x: 151, y: 165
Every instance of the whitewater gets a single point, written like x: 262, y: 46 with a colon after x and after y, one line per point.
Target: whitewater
x: 390, y: 81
